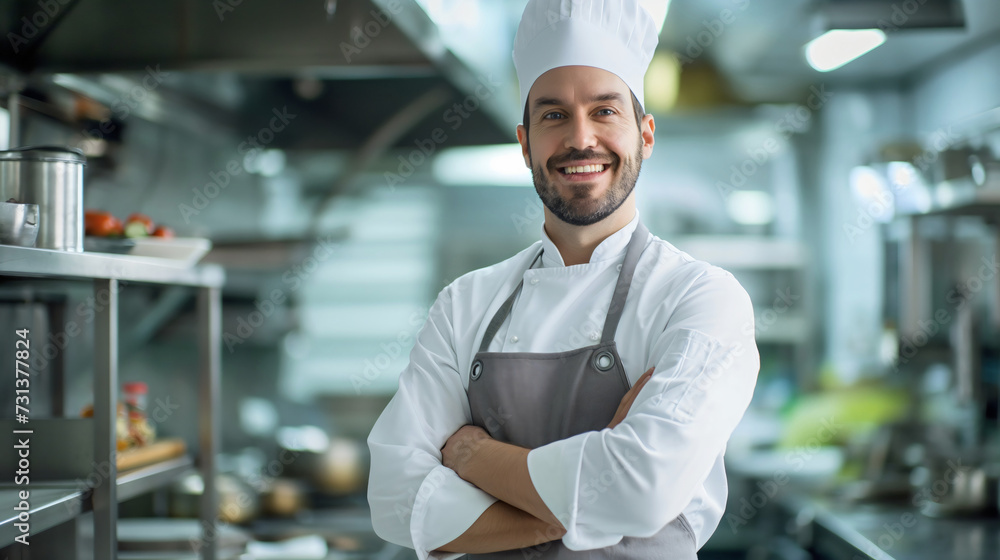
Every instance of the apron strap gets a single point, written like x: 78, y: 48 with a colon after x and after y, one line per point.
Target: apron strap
x: 501, y: 315
x: 635, y: 247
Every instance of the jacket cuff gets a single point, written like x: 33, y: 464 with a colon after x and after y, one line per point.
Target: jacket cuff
x: 444, y: 508
x: 555, y: 471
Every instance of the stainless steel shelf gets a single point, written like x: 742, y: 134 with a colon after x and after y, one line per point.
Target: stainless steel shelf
x: 144, y: 479
x: 50, y: 506
x: 744, y: 252
x: 54, y: 503
x: 962, y: 197
x: 106, y: 271
x: 791, y: 328
x: 28, y: 261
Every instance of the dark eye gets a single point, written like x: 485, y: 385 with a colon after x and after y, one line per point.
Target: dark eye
x: 606, y: 112
x: 552, y: 116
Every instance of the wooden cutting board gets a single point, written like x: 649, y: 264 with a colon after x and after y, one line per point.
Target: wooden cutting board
x: 160, y: 450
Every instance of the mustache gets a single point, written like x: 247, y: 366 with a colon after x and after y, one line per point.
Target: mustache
x: 581, y: 155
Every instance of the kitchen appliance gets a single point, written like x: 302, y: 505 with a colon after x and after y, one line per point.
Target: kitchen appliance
x: 238, y: 503
x: 52, y: 178
x: 337, y: 466
x: 283, y: 497
x: 18, y: 223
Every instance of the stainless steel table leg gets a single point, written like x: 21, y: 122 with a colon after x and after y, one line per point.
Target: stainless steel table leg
x: 210, y: 338
x: 105, y: 496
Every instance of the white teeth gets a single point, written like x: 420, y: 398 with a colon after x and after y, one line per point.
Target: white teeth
x: 594, y: 168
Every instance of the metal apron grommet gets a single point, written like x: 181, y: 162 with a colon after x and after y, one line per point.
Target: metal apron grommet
x: 477, y: 370
x: 604, y: 361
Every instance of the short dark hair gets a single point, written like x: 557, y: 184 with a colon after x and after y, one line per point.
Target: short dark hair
x: 636, y: 108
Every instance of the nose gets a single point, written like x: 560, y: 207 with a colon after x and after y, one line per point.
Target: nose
x: 581, y: 134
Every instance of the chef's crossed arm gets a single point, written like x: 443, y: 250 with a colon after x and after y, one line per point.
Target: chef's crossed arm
x: 501, y: 470
x: 706, y: 366
x: 415, y: 500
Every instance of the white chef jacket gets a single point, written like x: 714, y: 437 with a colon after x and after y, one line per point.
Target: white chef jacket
x: 691, y: 320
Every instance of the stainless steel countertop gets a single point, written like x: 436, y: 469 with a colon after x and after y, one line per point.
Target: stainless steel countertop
x: 897, y: 532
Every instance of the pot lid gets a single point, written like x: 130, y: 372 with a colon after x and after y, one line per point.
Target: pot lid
x: 44, y: 153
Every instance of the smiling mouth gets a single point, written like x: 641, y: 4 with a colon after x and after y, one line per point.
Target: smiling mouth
x: 584, y: 169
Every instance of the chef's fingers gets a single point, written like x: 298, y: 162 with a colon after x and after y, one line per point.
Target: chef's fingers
x: 640, y: 382
x: 623, y: 407
x: 630, y: 395
x: 629, y: 398
x: 634, y: 391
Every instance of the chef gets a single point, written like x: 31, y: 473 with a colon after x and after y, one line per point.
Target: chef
x: 574, y: 400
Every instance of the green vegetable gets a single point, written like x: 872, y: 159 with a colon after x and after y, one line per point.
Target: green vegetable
x: 136, y: 229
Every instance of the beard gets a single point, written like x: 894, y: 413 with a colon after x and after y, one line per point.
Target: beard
x: 580, y: 209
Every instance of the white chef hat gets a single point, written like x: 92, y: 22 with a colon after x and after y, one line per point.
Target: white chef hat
x: 614, y: 35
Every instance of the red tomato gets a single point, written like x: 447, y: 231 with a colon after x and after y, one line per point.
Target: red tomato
x: 91, y: 218
x: 115, y: 228
x: 102, y: 224
x: 164, y: 232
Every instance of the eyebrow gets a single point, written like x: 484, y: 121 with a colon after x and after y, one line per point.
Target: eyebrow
x: 549, y: 101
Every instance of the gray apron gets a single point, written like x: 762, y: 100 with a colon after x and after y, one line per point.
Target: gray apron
x: 531, y: 399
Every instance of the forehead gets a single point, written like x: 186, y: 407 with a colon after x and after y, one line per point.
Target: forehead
x: 576, y: 83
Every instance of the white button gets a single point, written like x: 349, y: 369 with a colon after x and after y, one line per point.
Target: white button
x: 534, y: 280
x: 594, y: 336
x: 619, y: 268
x: 513, y: 339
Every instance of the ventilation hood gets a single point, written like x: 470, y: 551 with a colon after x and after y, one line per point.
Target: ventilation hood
x: 347, y: 66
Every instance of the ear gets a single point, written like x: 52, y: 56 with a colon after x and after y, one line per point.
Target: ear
x: 647, y: 131
x: 522, y: 139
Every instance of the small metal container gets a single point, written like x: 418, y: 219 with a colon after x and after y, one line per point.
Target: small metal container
x: 52, y: 178
x: 18, y: 224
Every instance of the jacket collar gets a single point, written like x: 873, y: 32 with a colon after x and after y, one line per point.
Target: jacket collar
x: 613, y: 247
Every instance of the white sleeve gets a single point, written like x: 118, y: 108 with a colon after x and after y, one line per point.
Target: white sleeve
x: 634, y: 479
x: 416, y: 501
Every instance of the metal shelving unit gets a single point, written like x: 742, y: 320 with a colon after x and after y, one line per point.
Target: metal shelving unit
x: 53, y: 503
x: 51, y: 506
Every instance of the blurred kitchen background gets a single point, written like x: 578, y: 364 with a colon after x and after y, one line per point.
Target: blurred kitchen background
x: 349, y: 158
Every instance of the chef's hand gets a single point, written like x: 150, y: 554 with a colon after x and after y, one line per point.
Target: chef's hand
x: 461, y: 446
x: 629, y: 398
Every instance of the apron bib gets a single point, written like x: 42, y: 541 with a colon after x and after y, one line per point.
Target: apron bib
x: 531, y: 399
